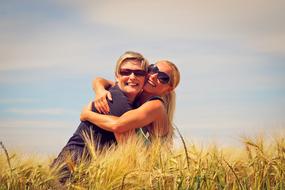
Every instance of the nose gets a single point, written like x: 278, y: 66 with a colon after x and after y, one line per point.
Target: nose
x: 132, y: 76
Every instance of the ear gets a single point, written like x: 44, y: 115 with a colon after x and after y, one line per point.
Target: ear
x: 116, y: 78
x: 170, y: 89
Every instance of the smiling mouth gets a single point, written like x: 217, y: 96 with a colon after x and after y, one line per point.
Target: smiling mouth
x: 131, y: 84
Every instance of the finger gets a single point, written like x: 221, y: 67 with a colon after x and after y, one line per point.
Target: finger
x: 109, y: 96
x: 97, y: 106
x: 101, y: 106
x: 103, y: 102
x: 106, y: 106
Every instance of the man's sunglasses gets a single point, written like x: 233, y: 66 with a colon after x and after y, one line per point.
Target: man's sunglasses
x: 128, y: 72
x: 161, y: 76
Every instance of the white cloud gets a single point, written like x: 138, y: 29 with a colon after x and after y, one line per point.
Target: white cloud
x: 36, y: 136
x: 218, y: 46
x: 50, y: 111
x: 257, y: 22
x: 48, y: 50
x: 183, y: 13
x: 59, y: 45
x: 18, y: 101
x: 274, y: 43
x: 257, y: 25
x: 37, y: 124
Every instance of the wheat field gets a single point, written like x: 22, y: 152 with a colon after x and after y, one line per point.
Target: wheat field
x: 256, y: 165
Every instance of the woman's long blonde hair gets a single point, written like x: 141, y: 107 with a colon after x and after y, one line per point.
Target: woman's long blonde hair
x: 170, y: 100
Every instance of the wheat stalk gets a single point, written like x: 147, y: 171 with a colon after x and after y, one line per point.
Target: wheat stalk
x: 7, y: 156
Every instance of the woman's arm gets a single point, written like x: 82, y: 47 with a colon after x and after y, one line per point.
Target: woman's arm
x: 123, y: 137
x: 136, y: 118
x: 99, y: 86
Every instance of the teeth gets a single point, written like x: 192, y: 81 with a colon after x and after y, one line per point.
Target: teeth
x: 131, y: 84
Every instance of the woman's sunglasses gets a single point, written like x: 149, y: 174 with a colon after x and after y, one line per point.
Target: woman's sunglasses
x: 128, y: 72
x: 161, y: 76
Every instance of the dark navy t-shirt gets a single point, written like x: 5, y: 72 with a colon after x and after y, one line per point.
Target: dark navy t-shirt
x: 118, y: 106
x: 76, y: 146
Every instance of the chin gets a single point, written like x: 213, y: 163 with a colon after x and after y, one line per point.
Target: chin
x: 153, y: 92
x: 134, y: 92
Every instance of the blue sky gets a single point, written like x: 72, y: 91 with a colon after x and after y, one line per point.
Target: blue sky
x: 231, y: 55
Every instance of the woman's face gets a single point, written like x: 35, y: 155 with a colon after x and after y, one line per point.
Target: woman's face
x: 158, y: 79
x: 131, y: 78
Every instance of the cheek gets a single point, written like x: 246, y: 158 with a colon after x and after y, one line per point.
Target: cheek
x: 142, y: 80
x: 160, y: 86
x: 165, y: 88
x: 123, y: 78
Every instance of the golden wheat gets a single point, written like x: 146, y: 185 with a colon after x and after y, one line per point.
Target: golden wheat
x: 133, y: 165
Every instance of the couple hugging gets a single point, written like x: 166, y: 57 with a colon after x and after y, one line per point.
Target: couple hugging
x: 140, y: 103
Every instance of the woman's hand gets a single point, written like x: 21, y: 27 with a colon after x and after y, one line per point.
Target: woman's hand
x: 85, y: 111
x: 101, y: 103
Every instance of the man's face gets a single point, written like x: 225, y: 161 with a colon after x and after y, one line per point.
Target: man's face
x: 131, y: 78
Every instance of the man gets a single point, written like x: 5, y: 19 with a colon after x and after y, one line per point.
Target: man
x: 130, y: 77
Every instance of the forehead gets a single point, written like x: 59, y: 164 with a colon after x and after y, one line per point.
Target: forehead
x: 164, y: 67
x: 131, y: 64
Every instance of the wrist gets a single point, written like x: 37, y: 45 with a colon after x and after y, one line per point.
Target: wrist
x: 87, y: 115
x: 99, y: 90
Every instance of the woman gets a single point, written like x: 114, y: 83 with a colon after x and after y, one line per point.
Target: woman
x: 157, y: 105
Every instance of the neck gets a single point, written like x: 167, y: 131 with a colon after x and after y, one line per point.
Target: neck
x: 131, y: 98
